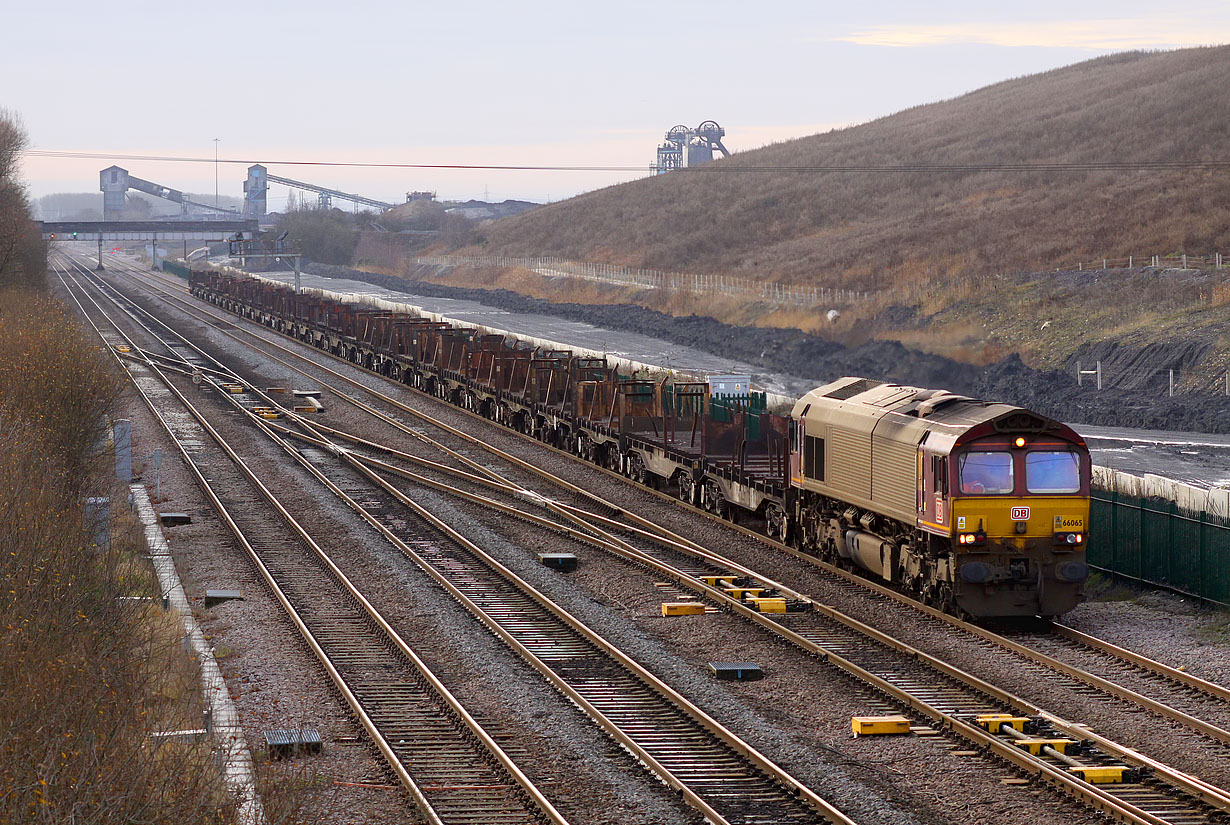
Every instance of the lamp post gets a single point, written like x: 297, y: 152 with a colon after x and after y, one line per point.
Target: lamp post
x: 216, y: 170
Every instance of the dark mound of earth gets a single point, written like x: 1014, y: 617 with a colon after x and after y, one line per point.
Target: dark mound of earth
x: 796, y: 353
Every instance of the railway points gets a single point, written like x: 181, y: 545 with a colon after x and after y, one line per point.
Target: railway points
x: 449, y: 765
x: 688, y: 750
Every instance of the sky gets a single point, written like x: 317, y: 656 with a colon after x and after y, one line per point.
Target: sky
x: 530, y: 83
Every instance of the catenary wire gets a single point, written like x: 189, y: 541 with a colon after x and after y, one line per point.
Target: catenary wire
x: 1086, y: 166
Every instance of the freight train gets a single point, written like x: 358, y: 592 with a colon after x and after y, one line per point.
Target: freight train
x: 977, y: 508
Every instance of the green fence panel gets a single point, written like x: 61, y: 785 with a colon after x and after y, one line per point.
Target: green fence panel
x: 175, y: 269
x: 1215, y: 556
x: 1152, y: 542
x: 1100, y: 550
x: 1185, y: 567
x: 1155, y: 543
x: 723, y: 408
x: 1128, y: 536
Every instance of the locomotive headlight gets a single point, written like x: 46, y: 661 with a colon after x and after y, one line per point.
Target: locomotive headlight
x: 1019, y: 442
x: 1069, y: 539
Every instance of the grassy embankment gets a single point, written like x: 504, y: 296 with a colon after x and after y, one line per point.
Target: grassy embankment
x: 975, y: 318
x: 90, y: 665
x: 931, y: 244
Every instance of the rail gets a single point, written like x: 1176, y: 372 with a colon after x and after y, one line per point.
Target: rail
x: 340, y: 634
x: 686, y: 748
x: 1098, y: 797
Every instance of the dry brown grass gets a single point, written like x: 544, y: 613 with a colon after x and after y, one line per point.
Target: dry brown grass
x: 85, y: 675
x: 906, y: 231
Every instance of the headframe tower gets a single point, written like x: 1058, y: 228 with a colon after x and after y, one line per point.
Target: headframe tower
x: 686, y: 147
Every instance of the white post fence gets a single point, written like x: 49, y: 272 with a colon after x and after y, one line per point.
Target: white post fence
x: 732, y: 286
x: 735, y: 287
x: 1080, y: 374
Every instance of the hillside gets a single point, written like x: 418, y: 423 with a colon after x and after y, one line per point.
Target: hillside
x: 876, y: 230
x: 972, y: 266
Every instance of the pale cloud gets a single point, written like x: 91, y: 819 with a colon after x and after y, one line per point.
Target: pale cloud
x: 1101, y: 34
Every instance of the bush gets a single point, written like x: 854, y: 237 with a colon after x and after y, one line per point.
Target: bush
x: 327, y: 236
x: 54, y: 377
x: 86, y: 676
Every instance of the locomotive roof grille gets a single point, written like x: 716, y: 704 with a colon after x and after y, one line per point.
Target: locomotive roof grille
x: 1020, y: 422
x: 853, y: 388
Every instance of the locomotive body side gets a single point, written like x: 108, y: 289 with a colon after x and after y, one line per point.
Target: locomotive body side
x: 974, y: 507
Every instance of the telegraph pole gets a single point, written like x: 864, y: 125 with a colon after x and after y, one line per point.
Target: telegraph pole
x: 216, y: 170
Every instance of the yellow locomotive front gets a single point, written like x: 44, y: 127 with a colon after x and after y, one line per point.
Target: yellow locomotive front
x: 1018, y: 516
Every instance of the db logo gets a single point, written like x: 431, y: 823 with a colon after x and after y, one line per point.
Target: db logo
x: 1020, y: 514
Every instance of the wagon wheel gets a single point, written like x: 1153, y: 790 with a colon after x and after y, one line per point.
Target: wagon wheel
x: 636, y: 468
x: 614, y: 459
x: 715, y: 502
x: 776, y: 524
x: 686, y: 488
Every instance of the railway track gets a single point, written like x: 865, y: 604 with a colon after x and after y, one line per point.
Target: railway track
x: 952, y: 707
x: 451, y: 767
x: 714, y: 770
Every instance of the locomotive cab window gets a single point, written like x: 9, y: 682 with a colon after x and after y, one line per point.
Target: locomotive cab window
x: 985, y: 473
x: 939, y: 474
x: 813, y: 457
x: 1056, y: 471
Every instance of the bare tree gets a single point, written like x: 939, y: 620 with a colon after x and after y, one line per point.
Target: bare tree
x: 12, y: 143
x: 23, y: 257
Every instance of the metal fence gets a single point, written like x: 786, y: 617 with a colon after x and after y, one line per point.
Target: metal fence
x: 656, y: 279
x: 175, y: 269
x: 1151, y: 541
x: 1175, y: 261
x: 791, y: 294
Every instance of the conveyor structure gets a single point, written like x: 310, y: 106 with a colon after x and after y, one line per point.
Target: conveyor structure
x: 115, y: 183
x: 257, y: 184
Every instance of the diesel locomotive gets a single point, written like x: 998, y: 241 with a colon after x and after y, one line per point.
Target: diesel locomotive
x: 969, y: 505
x: 974, y: 507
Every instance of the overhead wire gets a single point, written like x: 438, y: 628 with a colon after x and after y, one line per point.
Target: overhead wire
x: 1079, y: 166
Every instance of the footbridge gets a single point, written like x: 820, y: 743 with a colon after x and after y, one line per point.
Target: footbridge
x: 145, y: 230
x: 153, y: 231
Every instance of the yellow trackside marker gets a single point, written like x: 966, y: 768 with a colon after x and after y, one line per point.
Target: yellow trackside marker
x: 768, y: 605
x: 993, y: 721
x: 682, y: 609
x: 879, y: 725
x: 1101, y: 774
x: 1035, y: 746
